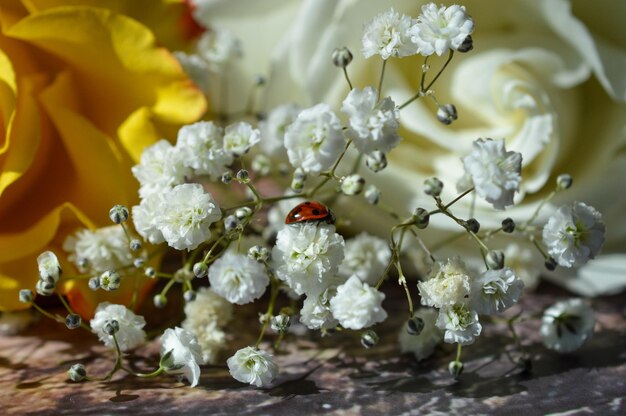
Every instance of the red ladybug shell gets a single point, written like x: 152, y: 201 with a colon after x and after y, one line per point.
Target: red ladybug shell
x: 310, y: 211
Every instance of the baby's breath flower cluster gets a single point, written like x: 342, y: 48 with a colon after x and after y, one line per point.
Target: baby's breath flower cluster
x: 247, y: 200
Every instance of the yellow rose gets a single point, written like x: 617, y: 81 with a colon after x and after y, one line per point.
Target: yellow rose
x: 546, y: 75
x: 83, y: 89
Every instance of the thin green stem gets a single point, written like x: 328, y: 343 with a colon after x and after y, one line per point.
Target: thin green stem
x: 459, y: 348
x: 380, y: 81
x: 268, y: 313
x: 536, y: 213
x: 345, y: 73
x: 450, y: 55
x: 459, y: 197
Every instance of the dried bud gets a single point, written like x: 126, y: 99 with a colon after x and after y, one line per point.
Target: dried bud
x: 341, y: 57
x: 189, y: 295
x: 77, y: 372
x: 455, y: 368
x: 227, y: 178
x: 94, y: 283
x: 243, y: 213
x: 111, y: 327
x: 472, y: 225
x: 73, y: 321
x: 372, y: 195
x: 422, y: 218
x: 467, y: 45
x: 369, y: 339
x: 495, y: 259
x: 139, y: 262
x: 230, y: 223
x: 26, y: 296
x: 159, y: 301
x: 550, y: 264
x: 446, y: 114
x: 280, y: 323
x: 508, y: 225
x: 376, y: 161
x: 200, y: 269
x: 118, y: 214
x: 433, y: 186
x: 243, y: 176
x: 45, y: 288
x: 564, y: 181
x: 415, y: 326
x: 150, y: 272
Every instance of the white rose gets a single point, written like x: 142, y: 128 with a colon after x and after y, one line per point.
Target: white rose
x: 548, y: 76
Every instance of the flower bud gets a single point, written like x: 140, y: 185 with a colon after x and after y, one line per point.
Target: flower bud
x: 73, y: 321
x: 26, y: 296
x: 44, y: 288
x: 94, y: 283
x: 83, y: 263
x: 118, y: 214
x: 495, y: 259
x: 139, y: 262
x: 230, y: 223
x: 227, y: 178
x: 280, y: 323
x: 455, y: 368
x: 243, y: 176
x: 341, y: 57
x: 369, y: 339
x: 550, y: 264
x: 446, y: 114
x: 376, y: 161
x: 422, y: 218
x: 352, y: 184
x: 243, y: 213
x: 189, y: 295
x: 433, y: 186
x: 200, y: 269
x: 467, y: 45
x: 472, y: 225
x: 372, y: 195
x: 111, y: 327
x: 259, y: 80
x: 159, y: 301
x: 508, y: 225
x: 564, y: 181
x: 262, y: 165
x: 77, y: 372
x: 135, y: 244
x: 150, y: 272
x: 110, y: 280
x: 259, y: 253
x: 415, y: 325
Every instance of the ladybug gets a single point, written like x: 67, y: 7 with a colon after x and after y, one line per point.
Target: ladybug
x: 310, y: 211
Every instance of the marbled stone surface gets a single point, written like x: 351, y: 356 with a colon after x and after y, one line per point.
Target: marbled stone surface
x: 332, y: 375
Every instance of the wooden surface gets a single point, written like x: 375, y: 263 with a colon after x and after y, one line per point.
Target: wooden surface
x: 331, y: 375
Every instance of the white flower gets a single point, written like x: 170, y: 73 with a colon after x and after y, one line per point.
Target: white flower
x: 49, y: 267
x: 461, y: 324
x: 130, y: 333
x: 145, y: 218
x: 373, y: 124
x: 104, y: 248
x: 315, y: 139
x: 357, y: 305
x: 366, y: 256
x: 240, y: 137
x: 219, y: 47
x: 238, y: 278
x: 205, y: 317
x: 422, y: 345
x: 440, y: 29
x: 495, y: 291
x: 253, y: 366
x: 274, y: 126
x: 200, y: 146
x: 315, y: 312
x: 448, y: 285
x: 566, y: 325
x: 387, y: 35
x: 574, y: 234
x: 187, y: 216
x: 307, y: 255
x: 160, y: 168
x: 494, y: 171
x: 181, y: 354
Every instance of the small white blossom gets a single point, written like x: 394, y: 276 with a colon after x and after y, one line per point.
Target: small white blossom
x: 159, y: 169
x: 315, y: 139
x: 238, y: 278
x: 566, y: 325
x: 200, y: 146
x: 574, y: 234
x: 253, y: 366
x: 441, y: 28
x: 387, y: 35
x: 357, y: 305
x: 49, y: 267
x: 219, y: 47
x: 495, y: 171
x: 181, y: 354
x: 240, y: 137
x: 307, y: 256
x: 495, y: 291
x: 366, y: 256
x: 352, y: 184
x: 145, y: 218
x: 315, y: 312
x: 448, y: 285
x: 460, y: 323
x: 104, y: 249
x: 187, y: 215
x: 373, y: 124
x: 422, y: 345
x: 274, y: 126
x: 205, y: 317
x: 130, y: 333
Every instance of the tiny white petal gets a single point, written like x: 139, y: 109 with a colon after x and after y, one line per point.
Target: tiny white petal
x: 253, y: 366
x: 566, y: 325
